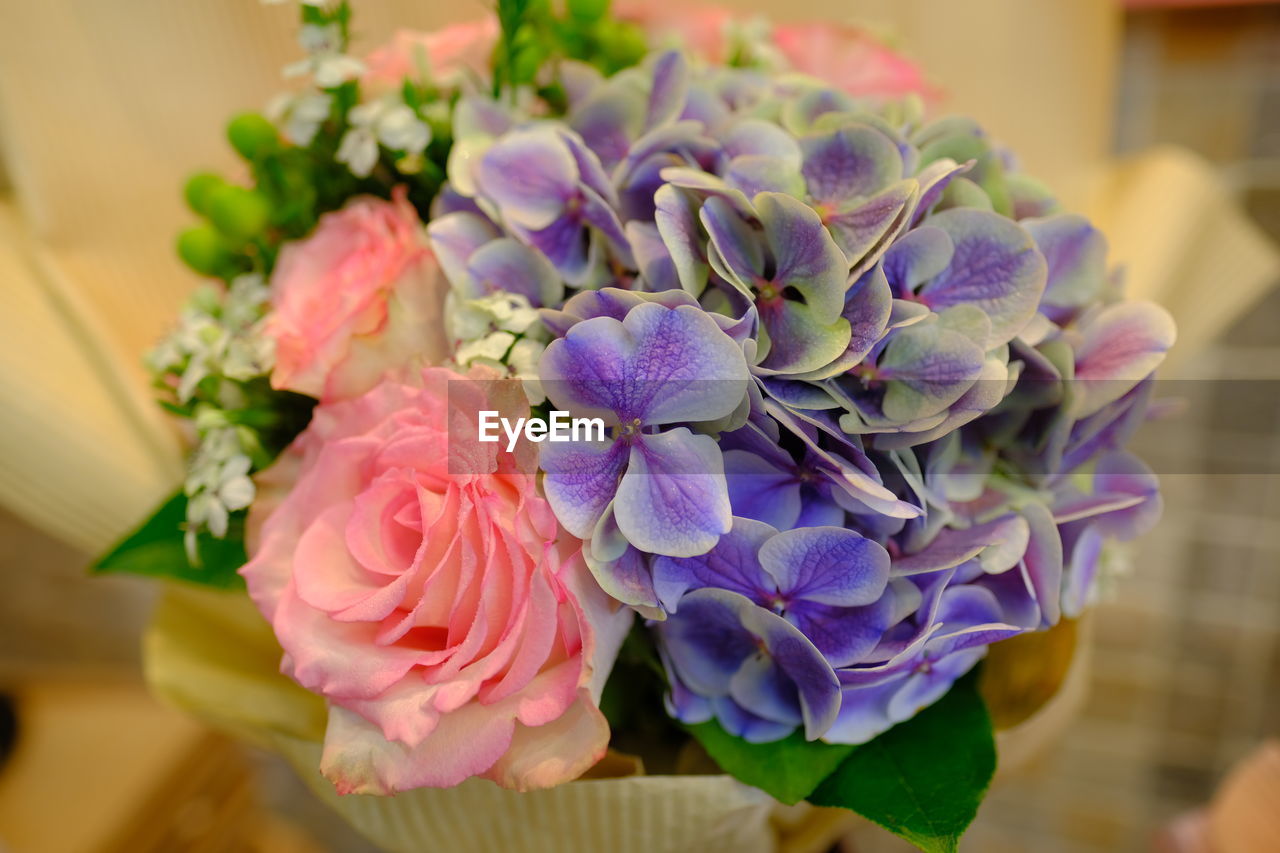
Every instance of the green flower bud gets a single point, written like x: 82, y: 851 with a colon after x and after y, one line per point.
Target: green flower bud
x: 239, y: 213
x: 198, y: 188
x: 623, y: 43
x: 588, y: 10
x: 202, y: 249
x: 252, y: 136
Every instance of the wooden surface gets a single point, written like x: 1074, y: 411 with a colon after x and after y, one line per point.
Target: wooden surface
x: 101, y: 768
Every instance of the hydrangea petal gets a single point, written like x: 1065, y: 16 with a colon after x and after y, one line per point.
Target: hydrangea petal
x: 455, y: 237
x: 737, y: 246
x: 1120, y: 346
x: 843, y: 634
x: 805, y: 255
x: 796, y: 341
x: 1076, y: 253
x: 755, y: 173
x: 628, y: 579
x: 677, y: 223
x: 581, y: 478
x: 868, y: 308
x: 752, y: 728
x: 852, y: 162
x: 673, y: 499
x: 928, y: 368
x: 706, y: 641
x: 866, y: 229
x: 529, y: 175
x: 995, y: 266
x: 815, y: 682
x: 827, y: 565
x: 732, y: 564
x: 659, y: 365
x: 763, y: 688
x: 760, y: 490
x: 1043, y: 561
x: 918, y: 256
x: 670, y: 89
x: 505, y: 265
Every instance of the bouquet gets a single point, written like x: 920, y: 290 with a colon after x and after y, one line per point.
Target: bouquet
x: 666, y: 385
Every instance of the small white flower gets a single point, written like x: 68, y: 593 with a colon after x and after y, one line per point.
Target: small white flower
x: 246, y: 298
x: 235, y: 489
x: 205, y: 511
x: 513, y: 313
x: 489, y: 349
x: 325, y: 60
x: 399, y: 127
x: 359, y: 150
x: 248, y: 357
x: 300, y: 116
x: 217, y: 482
x: 197, y: 369
x: 320, y: 38
x: 523, y: 359
x: 333, y: 71
x: 501, y: 330
x: 386, y: 120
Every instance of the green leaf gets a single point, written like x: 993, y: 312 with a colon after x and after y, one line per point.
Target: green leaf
x: 156, y: 549
x: 787, y: 769
x: 512, y: 17
x: 923, y: 779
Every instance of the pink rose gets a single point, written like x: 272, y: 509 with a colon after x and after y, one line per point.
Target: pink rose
x: 847, y: 57
x: 447, y: 53
x: 852, y: 59
x: 358, y: 298
x: 701, y: 30
x: 416, y: 580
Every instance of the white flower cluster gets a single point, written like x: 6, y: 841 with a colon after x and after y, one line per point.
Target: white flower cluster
x: 500, y: 330
x: 219, y: 336
x: 389, y: 121
x: 300, y: 114
x: 325, y: 61
x: 217, y: 484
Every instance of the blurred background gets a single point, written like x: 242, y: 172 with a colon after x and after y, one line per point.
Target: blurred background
x: 1159, y: 118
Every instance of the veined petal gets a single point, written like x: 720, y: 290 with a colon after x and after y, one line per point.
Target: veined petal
x: 581, y: 479
x: 673, y: 499
x: 826, y: 565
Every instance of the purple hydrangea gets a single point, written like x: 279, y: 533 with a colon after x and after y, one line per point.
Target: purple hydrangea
x: 868, y: 387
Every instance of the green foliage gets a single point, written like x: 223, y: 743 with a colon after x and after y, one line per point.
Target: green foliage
x: 156, y: 549
x: 515, y: 19
x: 252, y: 136
x: 239, y: 214
x: 533, y: 36
x: 923, y: 779
x: 787, y: 769
x: 203, y: 249
x: 587, y: 10
x: 198, y: 188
